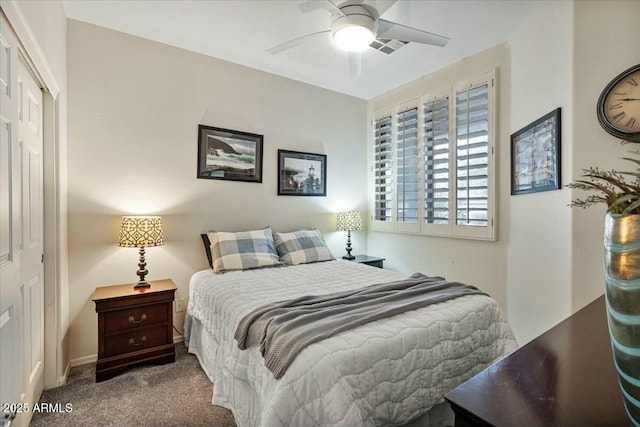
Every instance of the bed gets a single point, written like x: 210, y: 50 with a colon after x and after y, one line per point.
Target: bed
x: 388, y: 372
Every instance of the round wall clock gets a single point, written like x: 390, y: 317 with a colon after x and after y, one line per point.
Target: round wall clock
x: 619, y: 105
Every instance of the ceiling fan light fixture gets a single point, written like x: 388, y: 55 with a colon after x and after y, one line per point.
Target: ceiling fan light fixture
x: 353, y: 38
x: 353, y: 33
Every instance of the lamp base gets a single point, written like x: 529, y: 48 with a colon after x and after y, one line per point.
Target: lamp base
x: 141, y: 285
x: 142, y: 272
x: 348, y: 248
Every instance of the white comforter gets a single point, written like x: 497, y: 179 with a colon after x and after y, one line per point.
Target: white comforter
x: 384, y: 373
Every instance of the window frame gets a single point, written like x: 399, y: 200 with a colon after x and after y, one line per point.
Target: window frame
x: 383, y: 225
x: 452, y: 229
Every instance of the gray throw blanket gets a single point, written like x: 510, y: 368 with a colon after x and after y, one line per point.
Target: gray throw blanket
x: 283, y: 329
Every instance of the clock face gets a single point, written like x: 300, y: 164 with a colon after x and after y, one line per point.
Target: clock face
x: 619, y: 105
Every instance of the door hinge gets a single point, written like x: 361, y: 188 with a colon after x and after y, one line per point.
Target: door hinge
x: 42, y: 259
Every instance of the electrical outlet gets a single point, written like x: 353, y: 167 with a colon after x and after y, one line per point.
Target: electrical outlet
x: 180, y: 305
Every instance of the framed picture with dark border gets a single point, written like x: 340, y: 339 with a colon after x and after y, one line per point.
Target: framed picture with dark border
x: 535, y: 156
x: 301, y: 174
x: 229, y: 154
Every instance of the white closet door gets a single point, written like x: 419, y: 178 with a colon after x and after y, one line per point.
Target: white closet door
x: 21, y: 230
x: 11, y: 384
x: 32, y: 273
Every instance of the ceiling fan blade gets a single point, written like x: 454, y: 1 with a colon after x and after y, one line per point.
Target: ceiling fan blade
x: 313, y: 5
x: 336, y: 8
x: 381, y: 5
x: 355, y: 63
x: 392, y: 30
x: 297, y: 41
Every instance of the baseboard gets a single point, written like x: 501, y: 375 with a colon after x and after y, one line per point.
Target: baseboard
x: 65, y: 376
x: 177, y: 339
x: 92, y: 358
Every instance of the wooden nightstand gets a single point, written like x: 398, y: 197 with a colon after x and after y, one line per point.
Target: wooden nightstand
x: 134, y: 326
x: 369, y: 260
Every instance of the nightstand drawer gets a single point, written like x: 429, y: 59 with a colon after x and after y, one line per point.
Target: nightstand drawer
x: 135, y: 340
x: 122, y: 320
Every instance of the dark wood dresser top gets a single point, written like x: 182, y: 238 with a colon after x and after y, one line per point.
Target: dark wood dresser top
x: 127, y: 290
x: 565, y: 377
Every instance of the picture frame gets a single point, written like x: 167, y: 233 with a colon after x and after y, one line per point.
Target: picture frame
x: 229, y: 154
x: 535, y: 155
x: 302, y: 174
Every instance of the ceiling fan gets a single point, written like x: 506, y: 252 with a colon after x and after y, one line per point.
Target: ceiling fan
x: 357, y: 23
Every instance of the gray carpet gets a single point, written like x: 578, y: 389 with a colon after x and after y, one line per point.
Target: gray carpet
x: 177, y: 394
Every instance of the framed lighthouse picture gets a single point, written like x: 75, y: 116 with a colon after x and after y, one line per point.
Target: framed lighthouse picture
x: 301, y: 174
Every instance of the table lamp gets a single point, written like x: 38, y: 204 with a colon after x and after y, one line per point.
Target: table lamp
x: 349, y: 221
x: 141, y: 232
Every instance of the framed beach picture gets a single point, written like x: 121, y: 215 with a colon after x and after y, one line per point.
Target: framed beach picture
x: 535, y: 155
x: 301, y: 174
x: 229, y: 154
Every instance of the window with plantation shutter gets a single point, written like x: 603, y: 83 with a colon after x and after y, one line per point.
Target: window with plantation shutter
x: 436, y: 161
x: 433, y: 163
x: 382, y: 169
x: 472, y: 156
x: 407, y: 166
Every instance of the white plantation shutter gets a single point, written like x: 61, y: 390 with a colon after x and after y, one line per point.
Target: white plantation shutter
x: 433, y: 163
x: 472, y: 156
x: 436, y: 161
x: 407, y: 166
x: 382, y: 169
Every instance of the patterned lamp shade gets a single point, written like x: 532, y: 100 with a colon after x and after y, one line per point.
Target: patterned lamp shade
x: 141, y: 232
x: 350, y: 221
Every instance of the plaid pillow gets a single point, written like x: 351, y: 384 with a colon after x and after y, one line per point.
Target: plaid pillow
x: 302, y: 247
x: 243, y: 251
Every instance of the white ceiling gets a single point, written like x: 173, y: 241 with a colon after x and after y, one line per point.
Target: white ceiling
x: 241, y: 31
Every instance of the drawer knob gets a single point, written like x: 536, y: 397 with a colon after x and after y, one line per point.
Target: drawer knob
x: 133, y: 320
x: 142, y: 340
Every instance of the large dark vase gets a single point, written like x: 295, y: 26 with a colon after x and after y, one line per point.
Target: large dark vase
x: 622, y: 275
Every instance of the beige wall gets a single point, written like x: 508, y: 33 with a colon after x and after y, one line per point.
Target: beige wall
x: 564, y: 55
x: 480, y: 263
x: 540, y: 255
x: 134, y: 108
x: 607, y: 36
